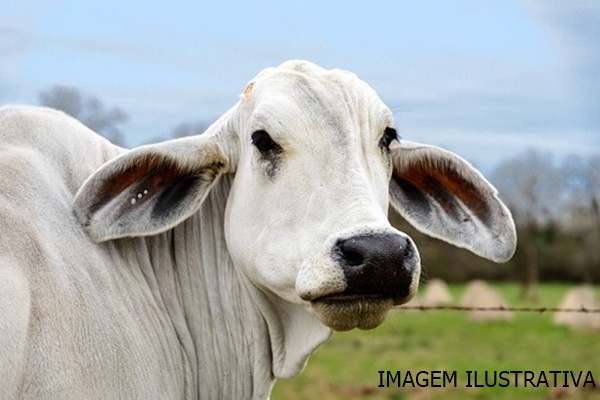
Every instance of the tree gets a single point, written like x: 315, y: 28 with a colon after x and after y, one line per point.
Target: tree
x: 184, y: 129
x: 87, y: 109
x: 582, y: 179
x: 190, y: 128
x: 531, y: 185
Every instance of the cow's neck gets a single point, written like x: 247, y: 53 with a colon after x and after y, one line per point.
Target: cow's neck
x: 235, y: 340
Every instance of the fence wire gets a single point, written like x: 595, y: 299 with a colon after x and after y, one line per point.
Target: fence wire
x: 539, y: 310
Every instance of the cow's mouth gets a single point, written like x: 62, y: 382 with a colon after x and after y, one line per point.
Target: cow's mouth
x: 343, y: 312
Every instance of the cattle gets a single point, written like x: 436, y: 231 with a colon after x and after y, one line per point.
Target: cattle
x: 209, y: 266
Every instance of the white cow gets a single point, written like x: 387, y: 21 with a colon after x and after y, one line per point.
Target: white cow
x: 207, y: 267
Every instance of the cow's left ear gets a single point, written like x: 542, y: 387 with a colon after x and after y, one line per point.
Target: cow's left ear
x: 443, y: 196
x: 149, y: 189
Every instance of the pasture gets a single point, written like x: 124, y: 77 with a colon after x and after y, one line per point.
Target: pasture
x: 347, y: 366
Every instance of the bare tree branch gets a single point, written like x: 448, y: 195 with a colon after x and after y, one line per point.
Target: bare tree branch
x: 87, y: 109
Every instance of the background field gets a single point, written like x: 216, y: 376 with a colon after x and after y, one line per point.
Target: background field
x: 346, y: 366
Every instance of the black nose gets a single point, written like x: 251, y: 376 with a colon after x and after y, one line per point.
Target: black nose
x: 377, y: 264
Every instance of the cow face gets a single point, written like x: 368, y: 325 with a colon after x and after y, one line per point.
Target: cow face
x: 316, y: 160
x: 313, y: 169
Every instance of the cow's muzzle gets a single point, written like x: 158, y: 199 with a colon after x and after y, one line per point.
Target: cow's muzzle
x: 377, y: 265
x: 380, y: 270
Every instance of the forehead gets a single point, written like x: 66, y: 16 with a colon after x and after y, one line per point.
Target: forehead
x: 303, y: 91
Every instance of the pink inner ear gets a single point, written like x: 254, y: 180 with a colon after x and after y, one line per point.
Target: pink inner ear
x: 151, y: 182
x: 150, y: 174
x: 445, y: 184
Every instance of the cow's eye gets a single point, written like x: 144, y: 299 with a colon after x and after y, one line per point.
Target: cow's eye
x: 389, y: 135
x: 264, y: 143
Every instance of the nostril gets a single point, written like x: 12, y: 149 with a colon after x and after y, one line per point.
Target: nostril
x: 353, y: 252
x: 408, y: 251
x: 352, y: 258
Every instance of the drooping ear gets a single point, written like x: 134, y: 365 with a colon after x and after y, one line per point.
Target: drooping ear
x: 443, y: 196
x: 149, y: 189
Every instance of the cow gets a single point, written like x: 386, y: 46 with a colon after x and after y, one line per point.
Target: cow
x: 210, y: 266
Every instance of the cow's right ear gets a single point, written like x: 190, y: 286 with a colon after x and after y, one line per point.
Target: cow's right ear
x: 443, y: 196
x: 149, y: 189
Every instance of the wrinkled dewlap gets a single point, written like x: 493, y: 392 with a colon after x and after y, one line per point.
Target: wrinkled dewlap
x: 344, y: 314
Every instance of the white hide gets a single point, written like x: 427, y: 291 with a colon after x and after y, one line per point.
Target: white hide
x: 194, y: 268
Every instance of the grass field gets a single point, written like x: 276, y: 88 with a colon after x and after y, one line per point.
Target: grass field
x: 347, y: 366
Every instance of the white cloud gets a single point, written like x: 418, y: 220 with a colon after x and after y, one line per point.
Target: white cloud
x: 574, y: 27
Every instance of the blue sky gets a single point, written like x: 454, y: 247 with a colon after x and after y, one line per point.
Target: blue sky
x: 484, y: 79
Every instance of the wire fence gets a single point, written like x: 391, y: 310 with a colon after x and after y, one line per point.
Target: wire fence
x: 539, y: 310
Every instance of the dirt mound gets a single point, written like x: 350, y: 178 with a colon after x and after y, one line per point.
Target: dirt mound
x: 577, y: 298
x: 436, y: 294
x: 479, y: 294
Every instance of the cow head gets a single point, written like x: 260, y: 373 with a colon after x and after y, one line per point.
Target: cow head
x: 316, y: 160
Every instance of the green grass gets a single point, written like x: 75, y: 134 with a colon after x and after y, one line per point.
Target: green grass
x: 347, y: 366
